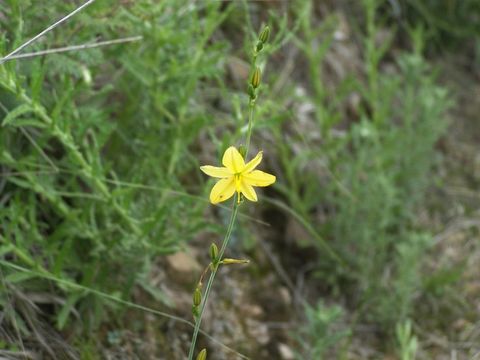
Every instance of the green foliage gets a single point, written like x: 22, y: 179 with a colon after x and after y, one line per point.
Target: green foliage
x: 407, y: 342
x: 321, y: 333
x: 385, y: 166
x: 376, y: 171
x: 446, y: 22
x: 81, y: 129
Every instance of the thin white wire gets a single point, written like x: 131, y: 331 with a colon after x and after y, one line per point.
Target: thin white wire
x: 50, y: 28
x: 77, y: 47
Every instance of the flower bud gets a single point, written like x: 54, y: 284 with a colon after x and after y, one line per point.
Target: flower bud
x: 264, y: 35
x: 228, y: 261
x: 87, y: 75
x: 197, y: 297
x: 259, y: 46
x: 255, y: 82
x: 213, y: 253
x: 251, y: 92
x: 202, y: 355
x: 195, y: 312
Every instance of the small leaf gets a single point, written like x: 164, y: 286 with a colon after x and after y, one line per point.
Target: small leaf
x: 66, y: 309
x: 17, y: 112
x: 28, y: 122
x: 5, y: 249
x: 19, y: 277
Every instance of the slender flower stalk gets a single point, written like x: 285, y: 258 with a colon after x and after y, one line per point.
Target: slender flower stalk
x: 251, y: 113
x: 208, y: 288
x: 237, y: 179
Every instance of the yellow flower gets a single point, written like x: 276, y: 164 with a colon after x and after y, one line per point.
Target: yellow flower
x: 237, y: 176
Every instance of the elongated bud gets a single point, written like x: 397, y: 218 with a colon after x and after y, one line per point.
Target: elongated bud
x: 259, y: 46
x: 197, y: 297
x: 213, y: 253
x: 264, y: 35
x: 255, y: 82
x: 195, y: 312
x: 202, y: 355
x: 228, y: 261
x: 251, y: 92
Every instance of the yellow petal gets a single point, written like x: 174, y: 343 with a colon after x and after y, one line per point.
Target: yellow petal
x: 217, y: 172
x: 248, y: 191
x: 258, y: 178
x: 232, y: 160
x: 222, y: 190
x: 252, y: 164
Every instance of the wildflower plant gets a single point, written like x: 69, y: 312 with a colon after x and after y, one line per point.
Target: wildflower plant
x: 237, y: 179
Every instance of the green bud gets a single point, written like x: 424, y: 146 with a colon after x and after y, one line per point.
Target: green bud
x: 255, y: 81
x: 87, y: 75
x: 259, y: 46
x: 229, y: 261
x: 202, y: 355
x: 251, y: 91
x: 195, y: 312
x: 197, y: 297
x: 213, y: 253
x: 264, y: 35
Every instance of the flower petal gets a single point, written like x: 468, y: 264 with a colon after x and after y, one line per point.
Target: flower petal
x: 248, y: 191
x: 259, y: 178
x: 222, y: 190
x: 232, y: 160
x: 252, y: 164
x: 217, y: 172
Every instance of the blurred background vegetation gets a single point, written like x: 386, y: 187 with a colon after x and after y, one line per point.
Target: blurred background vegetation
x: 367, y: 247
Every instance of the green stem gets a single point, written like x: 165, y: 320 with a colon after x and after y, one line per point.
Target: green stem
x: 251, y: 109
x: 212, y: 277
x: 251, y: 106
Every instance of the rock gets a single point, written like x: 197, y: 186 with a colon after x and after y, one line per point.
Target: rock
x: 285, y: 296
x: 286, y: 353
x: 184, y: 267
x: 253, y: 311
x: 258, y: 331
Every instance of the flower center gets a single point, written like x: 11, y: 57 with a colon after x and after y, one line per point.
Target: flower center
x: 237, y: 178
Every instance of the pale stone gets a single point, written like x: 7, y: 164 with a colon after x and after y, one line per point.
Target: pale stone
x: 286, y: 353
x: 183, y: 267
